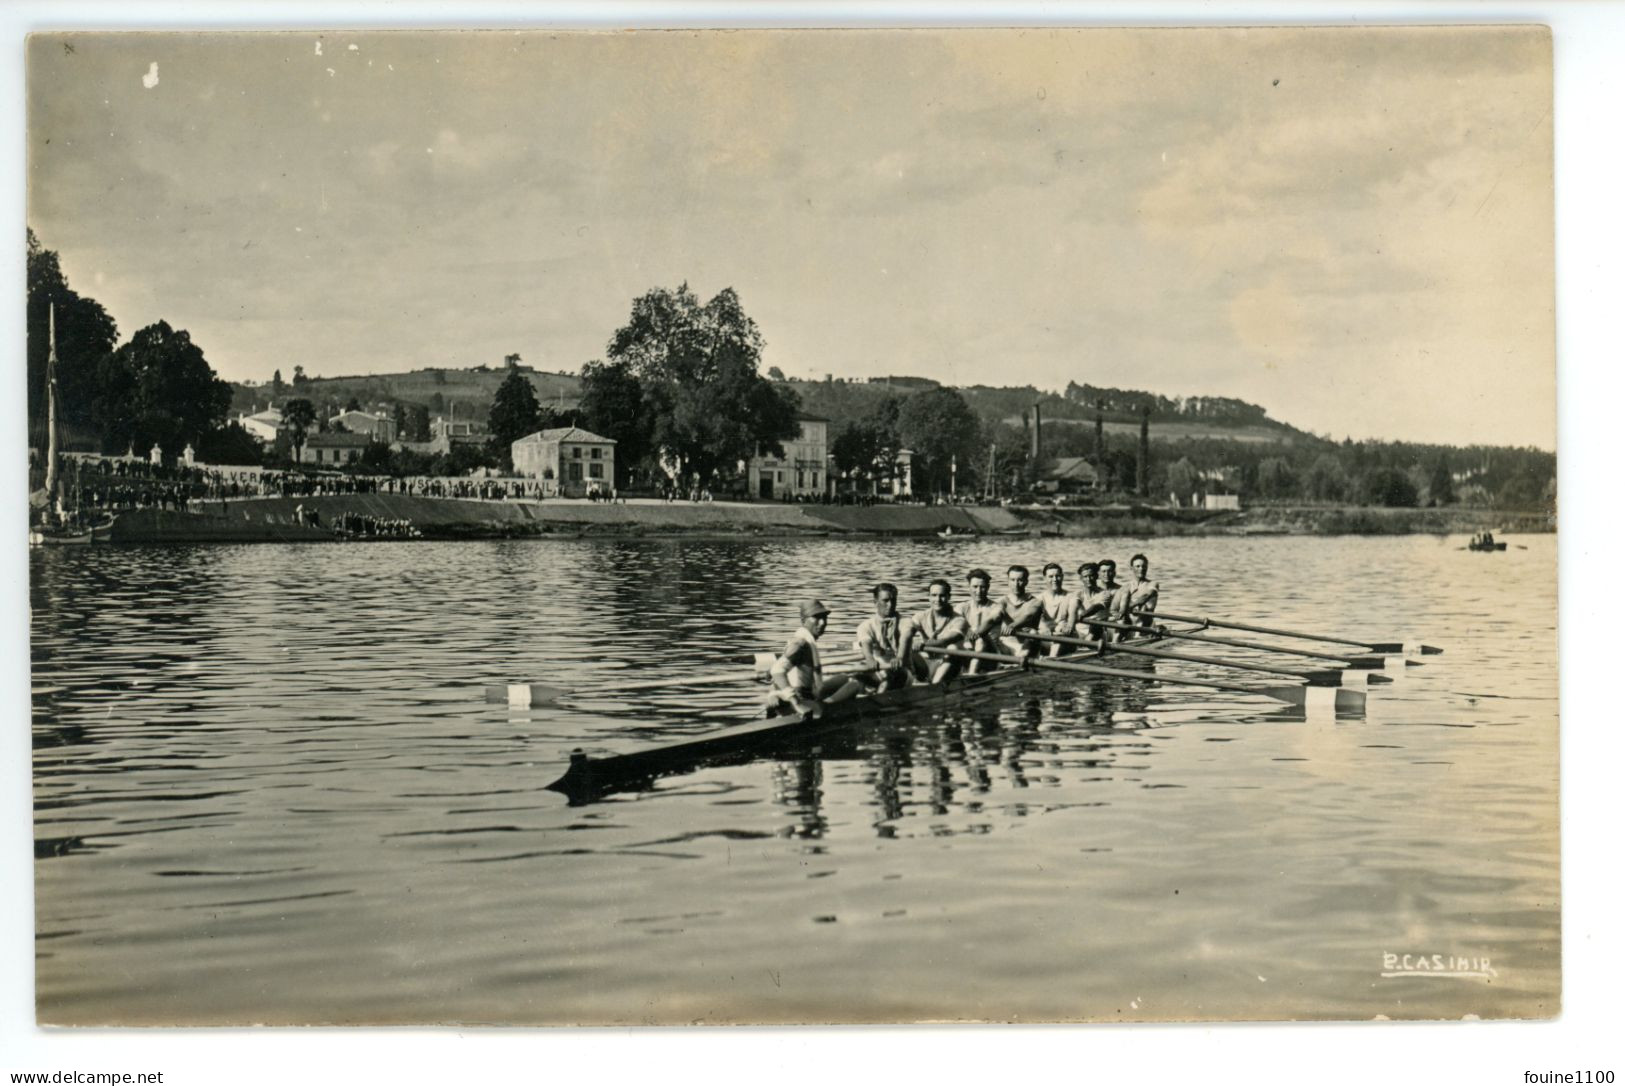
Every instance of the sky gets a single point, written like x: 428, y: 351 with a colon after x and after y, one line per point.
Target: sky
x: 1352, y: 227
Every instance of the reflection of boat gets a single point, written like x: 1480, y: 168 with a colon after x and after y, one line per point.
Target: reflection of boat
x: 57, y: 525
x: 591, y: 776
x: 43, y: 536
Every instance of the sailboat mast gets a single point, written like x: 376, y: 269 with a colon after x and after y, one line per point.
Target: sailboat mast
x: 51, y: 450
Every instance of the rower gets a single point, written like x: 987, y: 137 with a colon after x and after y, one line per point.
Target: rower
x: 798, y: 673
x: 1142, y: 593
x: 982, y: 616
x: 1057, y: 607
x: 1092, y: 602
x: 1117, y: 599
x: 937, y: 627
x: 880, y: 640
x: 1021, y: 611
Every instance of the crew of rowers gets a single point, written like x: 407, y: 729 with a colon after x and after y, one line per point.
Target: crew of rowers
x: 901, y: 649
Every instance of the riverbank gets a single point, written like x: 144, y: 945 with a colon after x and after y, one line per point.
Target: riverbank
x: 278, y: 520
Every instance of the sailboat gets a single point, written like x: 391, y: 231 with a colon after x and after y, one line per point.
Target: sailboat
x: 57, y: 525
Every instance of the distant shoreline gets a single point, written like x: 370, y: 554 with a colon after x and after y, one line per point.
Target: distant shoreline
x: 276, y: 520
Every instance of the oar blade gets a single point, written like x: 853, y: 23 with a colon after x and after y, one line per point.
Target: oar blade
x: 1387, y: 647
x: 1324, y: 678
x: 523, y: 695
x: 1365, y: 663
x: 1374, y: 679
x: 1292, y: 695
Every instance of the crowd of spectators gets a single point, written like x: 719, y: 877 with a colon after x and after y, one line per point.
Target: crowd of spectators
x: 363, y: 526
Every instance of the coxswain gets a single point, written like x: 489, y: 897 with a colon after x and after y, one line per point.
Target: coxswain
x: 1057, y: 608
x: 937, y: 627
x: 798, y: 674
x: 982, y: 616
x: 1021, y: 611
x: 880, y: 640
x: 1142, y: 593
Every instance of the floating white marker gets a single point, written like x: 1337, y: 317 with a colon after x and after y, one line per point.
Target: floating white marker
x: 519, y: 695
x: 1335, y: 698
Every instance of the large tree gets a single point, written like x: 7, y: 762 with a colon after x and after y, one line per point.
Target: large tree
x: 939, y: 427
x: 613, y: 403
x: 698, y: 368
x: 867, y: 447
x: 514, y: 413
x: 159, y: 389
x: 85, y: 335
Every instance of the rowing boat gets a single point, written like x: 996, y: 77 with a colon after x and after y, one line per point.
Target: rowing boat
x: 593, y: 775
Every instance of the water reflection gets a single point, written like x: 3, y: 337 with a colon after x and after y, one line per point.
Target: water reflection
x: 299, y: 732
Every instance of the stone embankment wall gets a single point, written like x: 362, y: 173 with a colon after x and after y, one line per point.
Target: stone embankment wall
x: 276, y: 520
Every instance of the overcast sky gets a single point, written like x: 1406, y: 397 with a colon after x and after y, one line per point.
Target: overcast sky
x: 1351, y: 227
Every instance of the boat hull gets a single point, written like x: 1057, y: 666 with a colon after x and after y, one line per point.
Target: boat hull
x: 589, y: 776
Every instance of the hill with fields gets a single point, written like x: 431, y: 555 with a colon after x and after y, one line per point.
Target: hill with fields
x: 437, y: 389
x: 469, y: 392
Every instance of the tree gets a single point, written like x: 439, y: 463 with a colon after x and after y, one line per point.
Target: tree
x: 353, y: 404
x: 1182, y: 478
x: 85, y: 335
x: 299, y: 377
x: 868, y: 446
x: 939, y: 427
x: 613, y: 404
x: 1275, y: 478
x: 297, y: 417
x: 514, y: 413
x: 1441, y: 489
x: 419, y: 426
x: 230, y: 444
x: 698, y: 368
x: 774, y: 373
x: 1327, y: 481
x: 400, y: 421
x: 168, y: 393
x: 1388, y: 487
x: 277, y: 387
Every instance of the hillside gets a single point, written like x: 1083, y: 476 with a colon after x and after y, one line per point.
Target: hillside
x: 1171, y: 420
x: 472, y: 390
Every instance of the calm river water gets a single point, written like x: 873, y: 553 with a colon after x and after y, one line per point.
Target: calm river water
x: 267, y: 789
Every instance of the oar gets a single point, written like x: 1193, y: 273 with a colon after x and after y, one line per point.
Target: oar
x: 1356, y: 663
x: 1292, y: 695
x: 529, y: 694
x: 1223, y: 624
x: 1314, y: 678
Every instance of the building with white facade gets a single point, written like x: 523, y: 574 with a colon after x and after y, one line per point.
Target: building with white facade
x: 377, y: 427
x: 803, y: 471
x: 570, y: 462
x: 263, y: 425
